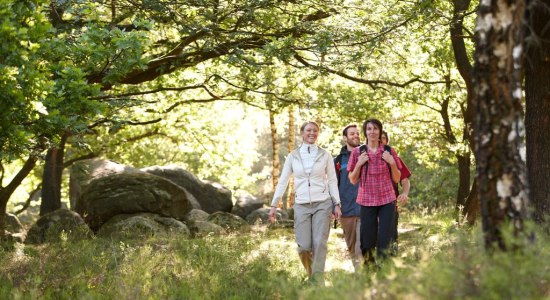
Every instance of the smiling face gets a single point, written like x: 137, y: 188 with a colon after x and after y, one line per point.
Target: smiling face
x: 309, y: 132
x: 352, y: 137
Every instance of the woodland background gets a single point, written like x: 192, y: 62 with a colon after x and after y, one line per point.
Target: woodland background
x: 220, y: 87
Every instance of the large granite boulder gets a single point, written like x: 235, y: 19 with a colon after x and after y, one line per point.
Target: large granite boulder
x: 197, y: 215
x: 131, y: 193
x: 84, y: 171
x: 205, y: 228
x: 56, y: 226
x: 246, y: 204
x: 228, y: 221
x: 142, y: 224
x: 211, y: 196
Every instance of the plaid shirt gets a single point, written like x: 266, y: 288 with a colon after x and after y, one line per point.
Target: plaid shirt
x: 375, y: 188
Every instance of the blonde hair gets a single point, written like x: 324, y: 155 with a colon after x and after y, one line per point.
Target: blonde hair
x: 307, y: 123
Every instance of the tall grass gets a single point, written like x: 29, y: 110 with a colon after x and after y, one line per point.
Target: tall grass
x: 437, y: 260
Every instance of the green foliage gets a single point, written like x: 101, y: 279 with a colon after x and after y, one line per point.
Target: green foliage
x: 22, y: 84
x: 434, y: 183
x: 163, y: 65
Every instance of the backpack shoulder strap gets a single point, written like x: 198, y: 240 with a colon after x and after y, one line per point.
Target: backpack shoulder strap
x: 395, y: 187
x: 363, y: 148
x: 337, y: 166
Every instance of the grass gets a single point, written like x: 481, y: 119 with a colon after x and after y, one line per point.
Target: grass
x: 437, y: 261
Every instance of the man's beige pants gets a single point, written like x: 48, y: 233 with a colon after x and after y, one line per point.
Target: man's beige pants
x: 312, y: 226
x: 352, y: 235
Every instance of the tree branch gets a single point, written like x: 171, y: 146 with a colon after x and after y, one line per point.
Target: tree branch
x: 373, y: 83
x: 175, y: 59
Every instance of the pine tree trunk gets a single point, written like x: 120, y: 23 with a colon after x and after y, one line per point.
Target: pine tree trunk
x: 275, y: 145
x: 499, y: 129
x: 537, y: 111
x: 291, y: 147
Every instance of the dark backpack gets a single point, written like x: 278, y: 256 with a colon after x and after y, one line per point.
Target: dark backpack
x: 338, y: 166
x: 363, y: 148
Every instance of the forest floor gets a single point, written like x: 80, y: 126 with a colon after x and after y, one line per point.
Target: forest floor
x: 437, y: 259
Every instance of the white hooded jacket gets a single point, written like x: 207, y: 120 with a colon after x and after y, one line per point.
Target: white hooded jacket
x: 320, y: 184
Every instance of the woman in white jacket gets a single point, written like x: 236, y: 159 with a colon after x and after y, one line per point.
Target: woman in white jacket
x: 316, y: 194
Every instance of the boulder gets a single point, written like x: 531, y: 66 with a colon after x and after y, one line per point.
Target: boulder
x: 84, y: 171
x: 211, y: 196
x: 139, y: 225
x: 245, y: 204
x: 228, y: 221
x: 131, y: 193
x: 56, y: 226
x: 261, y: 216
x: 12, y: 224
x: 197, y: 215
x: 204, y: 228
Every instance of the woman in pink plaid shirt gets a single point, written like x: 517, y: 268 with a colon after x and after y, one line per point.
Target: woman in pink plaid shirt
x: 375, y: 169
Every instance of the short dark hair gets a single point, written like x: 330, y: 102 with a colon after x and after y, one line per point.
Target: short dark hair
x: 386, y: 134
x: 372, y: 121
x: 345, y: 131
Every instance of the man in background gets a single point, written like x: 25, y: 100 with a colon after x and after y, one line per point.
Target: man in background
x: 349, y: 221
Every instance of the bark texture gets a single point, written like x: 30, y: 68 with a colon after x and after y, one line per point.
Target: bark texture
x: 537, y: 110
x: 291, y: 147
x: 501, y: 170
x: 275, y: 146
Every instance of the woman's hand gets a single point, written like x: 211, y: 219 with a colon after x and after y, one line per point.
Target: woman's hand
x: 337, y: 212
x: 387, y: 157
x: 362, y: 159
x: 273, y: 214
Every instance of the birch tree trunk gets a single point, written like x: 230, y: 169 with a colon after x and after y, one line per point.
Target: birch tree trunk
x: 499, y: 128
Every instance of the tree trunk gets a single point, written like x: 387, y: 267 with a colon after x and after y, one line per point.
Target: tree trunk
x: 499, y: 129
x: 291, y: 146
x: 275, y: 145
x: 52, y: 178
x: 537, y: 111
x: 464, y: 164
x: 463, y: 157
x: 7, y: 191
x: 464, y: 66
x: 471, y: 207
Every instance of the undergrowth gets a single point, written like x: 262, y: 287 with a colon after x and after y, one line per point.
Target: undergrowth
x: 437, y: 260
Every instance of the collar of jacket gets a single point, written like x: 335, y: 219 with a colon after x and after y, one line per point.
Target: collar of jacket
x: 320, y: 152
